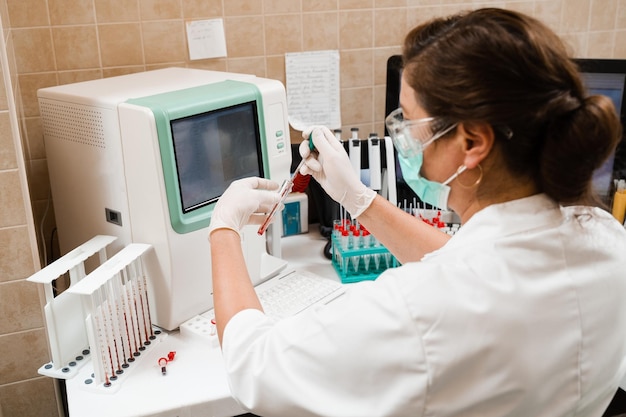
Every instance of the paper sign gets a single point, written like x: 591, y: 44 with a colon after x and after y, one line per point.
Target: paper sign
x: 206, y: 39
x: 313, y: 89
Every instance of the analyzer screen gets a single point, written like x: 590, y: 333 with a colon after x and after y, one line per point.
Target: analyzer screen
x: 213, y: 149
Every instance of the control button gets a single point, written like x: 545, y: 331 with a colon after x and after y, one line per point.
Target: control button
x: 280, y: 145
x: 279, y: 133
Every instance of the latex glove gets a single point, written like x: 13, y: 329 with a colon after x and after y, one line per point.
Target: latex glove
x: 331, y: 168
x: 245, y: 201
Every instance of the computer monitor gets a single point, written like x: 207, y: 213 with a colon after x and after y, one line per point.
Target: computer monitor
x: 146, y: 156
x: 601, y: 76
x: 607, y: 77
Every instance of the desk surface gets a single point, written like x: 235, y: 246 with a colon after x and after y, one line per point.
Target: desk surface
x: 195, y: 383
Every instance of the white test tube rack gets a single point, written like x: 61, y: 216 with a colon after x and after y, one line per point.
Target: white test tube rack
x: 63, y: 313
x: 117, y: 314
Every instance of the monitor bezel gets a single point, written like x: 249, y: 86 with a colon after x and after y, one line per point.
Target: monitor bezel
x: 184, y: 103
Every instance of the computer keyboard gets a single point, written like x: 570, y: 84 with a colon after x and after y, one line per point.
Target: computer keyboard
x: 296, y: 291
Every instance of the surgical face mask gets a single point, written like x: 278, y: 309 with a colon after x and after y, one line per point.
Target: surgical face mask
x: 410, y: 137
x: 430, y: 192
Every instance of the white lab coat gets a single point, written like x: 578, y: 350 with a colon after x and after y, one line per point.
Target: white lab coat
x: 521, y: 313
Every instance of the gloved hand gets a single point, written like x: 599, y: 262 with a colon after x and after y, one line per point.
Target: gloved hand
x: 331, y: 168
x: 245, y: 201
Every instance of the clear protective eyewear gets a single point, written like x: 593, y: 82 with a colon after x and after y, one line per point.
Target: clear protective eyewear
x: 410, y: 137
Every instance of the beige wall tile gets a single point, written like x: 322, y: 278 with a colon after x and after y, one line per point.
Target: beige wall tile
x: 11, y: 199
x: 33, y: 50
x: 117, y: 11
x: 71, y: 12
x: 276, y: 68
x: 76, y: 47
x: 243, y: 7
x: 283, y: 33
x: 202, y: 8
x: 3, y: 96
x: 282, y: 6
x: 603, y: 14
x: 381, y: 55
x: 576, y: 44
x: 22, y: 354
x: 29, y: 84
x: 620, y: 21
x: 575, y: 16
x: 113, y: 72
x: 357, y: 68
x: 418, y: 15
x: 255, y: 66
x: 356, y: 29
x: 164, y: 41
x: 8, y: 159
x: 34, y: 397
x: 120, y: 44
x: 380, y: 92
x: 160, y: 9
x: 600, y: 44
x: 357, y: 106
x: 356, y: 4
x: 19, y: 307
x: 549, y: 12
x: 414, y: 3
x: 219, y: 64
x: 389, y: 3
x: 32, y: 132
x: 319, y: 5
x: 244, y: 36
x: 390, y: 27
x: 68, y: 77
x: 16, y: 262
x: 320, y: 31
x: 620, y: 44
x: 4, y: 19
x: 28, y: 13
x: 527, y: 7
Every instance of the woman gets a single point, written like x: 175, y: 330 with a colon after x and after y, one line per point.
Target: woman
x: 521, y: 313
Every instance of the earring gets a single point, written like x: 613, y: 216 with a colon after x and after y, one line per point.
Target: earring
x: 478, y: 180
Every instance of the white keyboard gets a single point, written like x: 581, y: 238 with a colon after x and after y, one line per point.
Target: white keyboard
x: 294, y: 292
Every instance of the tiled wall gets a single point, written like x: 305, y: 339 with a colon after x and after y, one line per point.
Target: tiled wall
x: 62, y: 41
x: 22, y: 336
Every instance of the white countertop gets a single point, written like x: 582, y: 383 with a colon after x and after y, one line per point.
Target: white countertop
x: 195, y: 383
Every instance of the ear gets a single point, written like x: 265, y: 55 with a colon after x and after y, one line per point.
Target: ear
x: 478, y: 140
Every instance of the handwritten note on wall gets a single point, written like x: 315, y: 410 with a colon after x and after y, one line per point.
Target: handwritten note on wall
x: 313, y: 89
x: 206, y: 39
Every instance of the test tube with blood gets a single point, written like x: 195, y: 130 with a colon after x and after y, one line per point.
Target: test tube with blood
x: 285, y: 189
x: 144, y: 298
x: 99, y: 326
x: 126, y: 316
x: 112, y: 311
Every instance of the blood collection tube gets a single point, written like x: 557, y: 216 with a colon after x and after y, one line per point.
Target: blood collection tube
x: 285, y: 189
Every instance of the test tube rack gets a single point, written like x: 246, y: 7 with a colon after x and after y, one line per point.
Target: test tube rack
x: 63, y: 313
x: 357, y: 255
x: 103, y: 318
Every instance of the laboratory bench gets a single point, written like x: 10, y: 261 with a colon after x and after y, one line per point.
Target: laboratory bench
x: 195, y: 382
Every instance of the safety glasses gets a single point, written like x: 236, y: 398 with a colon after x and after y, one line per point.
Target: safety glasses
x: 410, y: 137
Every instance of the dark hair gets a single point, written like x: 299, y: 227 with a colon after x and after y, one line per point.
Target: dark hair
x: 511, y: 71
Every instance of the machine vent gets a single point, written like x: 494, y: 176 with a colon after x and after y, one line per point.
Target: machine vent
x: 72, y: 123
